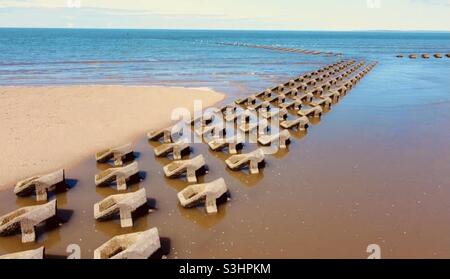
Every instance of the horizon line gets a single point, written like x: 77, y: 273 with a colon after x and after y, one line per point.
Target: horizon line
x: 224, y: 29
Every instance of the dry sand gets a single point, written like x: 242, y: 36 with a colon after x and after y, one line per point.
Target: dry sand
x: 46, y: 128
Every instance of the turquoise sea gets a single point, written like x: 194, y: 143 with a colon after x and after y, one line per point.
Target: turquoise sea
x: 195, y: 58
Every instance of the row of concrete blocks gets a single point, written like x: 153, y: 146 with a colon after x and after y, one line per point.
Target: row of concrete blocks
x: 309, y: 103
x: 189, y: 167
x: 425, y: 56
x: 169, y: 132
x: 139, y: 245
x: 218, y: 143
x: 300, y: 87
x: 285, y: 49
x: 121, y: 174
x: 280, y: 95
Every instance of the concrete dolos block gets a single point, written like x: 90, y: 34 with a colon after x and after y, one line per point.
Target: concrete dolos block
x: 190, y: 167
x: 124, y: 204
x: 41, y: 184
x: 253, y: 159
x: 175, y: 148
x: 27, y: 218
x: 167, y: 133
x: 301, y: 123
x: 119, y: 174
x: 37, y: 254
x: 231, y: 143
x: 118, y: 154
x: 282, y: 138
x: 140, y: 245
x: 206, y: 193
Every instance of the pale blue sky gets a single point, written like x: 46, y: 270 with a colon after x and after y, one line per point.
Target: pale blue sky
x: 230, y: 14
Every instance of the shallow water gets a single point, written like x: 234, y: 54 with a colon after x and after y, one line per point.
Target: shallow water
x: 374, y: 170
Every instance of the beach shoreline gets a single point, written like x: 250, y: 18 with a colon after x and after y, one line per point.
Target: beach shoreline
x: 52, y: 127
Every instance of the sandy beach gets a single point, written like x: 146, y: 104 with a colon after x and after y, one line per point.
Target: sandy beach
x: 46, y: 128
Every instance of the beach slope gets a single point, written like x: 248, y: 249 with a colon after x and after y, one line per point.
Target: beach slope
x: 46, y: 128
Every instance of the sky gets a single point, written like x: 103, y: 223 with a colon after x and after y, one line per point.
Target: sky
x: 229, y: 14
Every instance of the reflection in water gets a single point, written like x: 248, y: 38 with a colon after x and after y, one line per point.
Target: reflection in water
x: 198, y: 215
x: 281, y: 153
x: 245, y: 178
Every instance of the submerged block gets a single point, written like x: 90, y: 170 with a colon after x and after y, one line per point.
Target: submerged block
x: 311, y: 82
x: 140, y: 245
x: 124, y: 204
x: 233, y: 116
x: 302, y: 86
x: 166, y: 133
x: 323, y: 102
x: 348, y: 85
x: 206, y: 193
x: 228, y: 108
x: 301, y: 123
x: 277, y: 99
x: 333, y: 95
x: 342, y: 90
x: 281, y: 113
x: 231, y: 143
x: 279, y: 89
x: 247, y: 101
x: 326, y: 85
x: 258, y: 106
x: 283, y: 138
x: 290, y: 104
x: 175, y: 148
x: 265, y: 94
x: 217, y: 130
x: 253, y: 159
x: 205, y: 118
x: 40, y: 184
x: 118, y: 174
x: 36, y: 254
x: 118, y: 154
x: 262, y: 125
x: 316, y: 91
x: 188, y: 167
x: 27, y: 218
x: 292, y: 83
x: 292, y: 92
x: 304, y: 97
x: 309, y: 111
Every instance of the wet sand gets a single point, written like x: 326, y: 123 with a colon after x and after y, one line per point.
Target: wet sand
x: 373, y: 170
x: 47, y: 128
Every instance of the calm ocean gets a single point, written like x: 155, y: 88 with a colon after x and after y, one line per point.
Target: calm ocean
x: 194, y: 58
